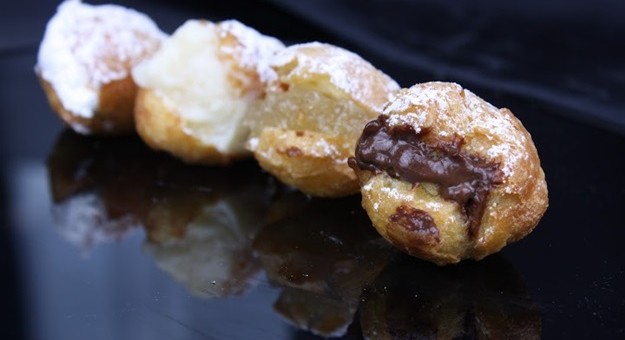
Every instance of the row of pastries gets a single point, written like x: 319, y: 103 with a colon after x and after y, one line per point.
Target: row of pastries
x: 444, y: 175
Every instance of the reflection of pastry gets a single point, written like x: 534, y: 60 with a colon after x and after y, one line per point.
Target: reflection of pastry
x: 201, y: 222
x: 84, y: 64
x: 446, y: 176
x: 98, y: 186
x: 326, y: 252
x: 308, y: 124
x: 316, y: 313
x: 196, y: 90
x: 480, y: 300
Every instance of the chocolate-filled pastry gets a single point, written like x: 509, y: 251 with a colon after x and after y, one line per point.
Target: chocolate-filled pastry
x: 84, y: 64
x: 308, y: 124
x: 446, y: 176
x: 413, y: 299
x: 196, y: 90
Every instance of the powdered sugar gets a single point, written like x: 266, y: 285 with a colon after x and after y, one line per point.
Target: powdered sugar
x: 346, y: 71
x: 252, y: 144
x: 396, y: 194
x: 433, y: 205
x: 414, y: 119
x: 324, y: 149
x: 368, y: 186
x: 372, y: 185
x: 506, y: 152
x: 434, y: 98
x: 254, y: 49
x: 507, y: 147
x: 87, y: 46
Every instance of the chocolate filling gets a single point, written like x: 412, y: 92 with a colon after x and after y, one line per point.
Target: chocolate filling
x: 404, y: 154
x: 418, y: 223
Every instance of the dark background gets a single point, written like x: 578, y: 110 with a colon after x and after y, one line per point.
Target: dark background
x: 558, y: 65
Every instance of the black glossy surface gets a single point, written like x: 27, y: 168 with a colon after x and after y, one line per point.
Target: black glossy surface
x: 142, y: 272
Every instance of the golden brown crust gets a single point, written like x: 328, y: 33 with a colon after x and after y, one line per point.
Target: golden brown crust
x: 307, y: 125
x: 513, y: 207
x: 162, y: 129
x: 298, y: 159
x: 113, y: 116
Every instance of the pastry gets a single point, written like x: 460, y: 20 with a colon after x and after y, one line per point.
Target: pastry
x: 307, y: 125
x: 446, y: 176
x: 84, y: 64
x: 196, y: 90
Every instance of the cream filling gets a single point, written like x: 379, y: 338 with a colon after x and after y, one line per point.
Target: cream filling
x: 193, y: 82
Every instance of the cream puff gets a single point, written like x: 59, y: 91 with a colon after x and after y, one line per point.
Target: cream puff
x: 446, y: 176
x: 84, y: 64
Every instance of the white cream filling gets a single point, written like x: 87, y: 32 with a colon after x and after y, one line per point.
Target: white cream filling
x: 193, y: 82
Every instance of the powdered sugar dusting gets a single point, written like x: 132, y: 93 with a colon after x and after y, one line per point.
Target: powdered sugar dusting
x: 324, y: 149
x: 433, y: 97
x: 368, y: 186
x: 87, y: 46
x: 396, y: 194
x: 508, y: 146
x: 346, y: 71
x: 252, y: 144
x: 254, y: 49
x: 414, y: 119
x: 433, y: 205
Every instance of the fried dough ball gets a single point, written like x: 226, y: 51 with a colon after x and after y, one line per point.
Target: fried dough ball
x: 84, y: 64
x: 195, y: 92
x: 307, y: 126
x: 446, y: 176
